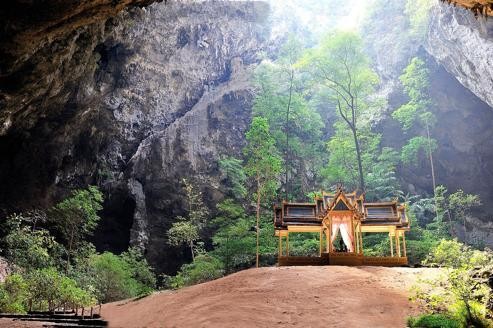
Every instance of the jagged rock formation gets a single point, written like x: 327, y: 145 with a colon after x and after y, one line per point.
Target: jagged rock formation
x: 38, y: 40
x: 463, y: 44
x: 133, y: 104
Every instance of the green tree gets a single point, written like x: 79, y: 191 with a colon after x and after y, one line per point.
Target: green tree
x: 235, y: 176
x: 263, y: 165
x: 76, y: 218
x: 456, y: 206
x: 49, y: 289
x: 294, y: 123
x: 187, y: 229
x: 113, y: 278
x: 140, y: 269
x: 234, y: 241
x: 30, y: 248
x: 341, y: 68
x: 13, y: 294
x: 416, y: 112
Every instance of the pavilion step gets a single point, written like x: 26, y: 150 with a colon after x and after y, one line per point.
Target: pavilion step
x: 72, y: 321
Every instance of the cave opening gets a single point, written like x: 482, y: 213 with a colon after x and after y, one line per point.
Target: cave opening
x: 113, y: 232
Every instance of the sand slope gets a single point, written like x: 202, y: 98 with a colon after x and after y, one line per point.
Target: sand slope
x: 330, y: 296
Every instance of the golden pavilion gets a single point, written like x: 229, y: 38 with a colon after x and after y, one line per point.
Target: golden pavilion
x: 349, y: 217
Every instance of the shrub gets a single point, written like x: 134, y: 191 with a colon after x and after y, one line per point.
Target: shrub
x: 118, y: 277
x: 433, y: 321
x: 142, y: 272
x: 13, y: 294
x: 202, y: 269
x: 49, y: 289
x: 112, y: 277
x: 453, y: 254
x: 28, y: 248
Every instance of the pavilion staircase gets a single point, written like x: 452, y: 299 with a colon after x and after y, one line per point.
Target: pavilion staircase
x: 63, y: 319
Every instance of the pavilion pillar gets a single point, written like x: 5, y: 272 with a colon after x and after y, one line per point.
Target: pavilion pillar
x: 280, y: 245
x: 404, y: 244
x: 356, y: 240
x: 391, y: 245
x: 360, y: 239
x: 356, y: 237
x: 397, y: 244
x: 327, y: 241
x: 320, y: 239
x: 287, y: 244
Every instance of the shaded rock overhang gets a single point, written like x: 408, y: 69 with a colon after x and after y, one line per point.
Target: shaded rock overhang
x: 26, y: 24
x: 478, y: 7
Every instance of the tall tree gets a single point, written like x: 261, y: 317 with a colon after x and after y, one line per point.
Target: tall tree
x: 340, y: 66
x: 263, y: 165
x: 187, y: 228
x: 295, y: 125
x: 416, y: 114
x: 77, y: 217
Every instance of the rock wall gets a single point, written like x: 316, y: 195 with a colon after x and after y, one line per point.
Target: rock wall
x: 458, y: 52
x: 463, y: 44
x: 133, y: 104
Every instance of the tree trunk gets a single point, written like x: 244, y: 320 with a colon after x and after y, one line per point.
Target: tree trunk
x: 432, y: 168
x: 71, y: 240
x: 286, y: 153
x: 360, y: 165
x: 258, y: 220
x: 191, y: 250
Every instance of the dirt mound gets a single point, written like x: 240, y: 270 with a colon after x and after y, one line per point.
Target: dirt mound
x: 330, y: 296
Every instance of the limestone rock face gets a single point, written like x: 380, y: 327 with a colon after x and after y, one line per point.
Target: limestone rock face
x: 134, y: 103
x: 463, y: 44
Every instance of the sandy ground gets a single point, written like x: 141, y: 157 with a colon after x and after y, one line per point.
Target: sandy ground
x: 9, y: 323
x: 330, y: 296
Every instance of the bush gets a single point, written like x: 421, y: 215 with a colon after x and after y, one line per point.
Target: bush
x: 202, y: 269
x: 118, y: 277
x: 453, y: 254
x: 13, y: 294
x: 28, y: 248
x: 433, y: 321
x: 49, y: 289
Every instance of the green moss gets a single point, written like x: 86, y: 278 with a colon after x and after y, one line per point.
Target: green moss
x: 432, y: 321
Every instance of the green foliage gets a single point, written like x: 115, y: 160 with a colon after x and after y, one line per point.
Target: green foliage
x: 433, y: 321
x: 453, y: 254
x: 411, y: 150
x: 381, y: 179
x: 13, y: 294
x: 342, y: 71
x: 263, y: 161
x: 49, y: 289
x: 232, y: 168
x: 234, y: 240
x: 415, y: 80
x: 406, y: 115
x: 294, y: 123
x: 183, y: 232
x: 140, y: 269
x: 30, y: 249
x: 419, y: 15
x: 38, y: 257
x: 460, y: 292
x: 204, y: 268
x: 76, y: 218
x: 114, y: 278
x: 187, y: 229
